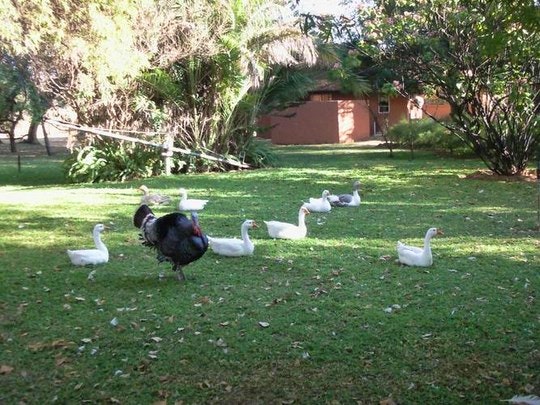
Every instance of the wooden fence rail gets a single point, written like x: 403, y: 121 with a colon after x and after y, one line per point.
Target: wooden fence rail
x: 167, y: 147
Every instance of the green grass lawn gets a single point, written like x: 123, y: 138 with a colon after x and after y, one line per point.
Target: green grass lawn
x: 346, y: 324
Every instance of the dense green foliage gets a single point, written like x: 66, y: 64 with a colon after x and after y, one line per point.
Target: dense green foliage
x: 199, y: 70
x: 480, y: 56
x: 19, y: 97
x: 345, y: 323
x: 112, y: 161
x: 424, y: 133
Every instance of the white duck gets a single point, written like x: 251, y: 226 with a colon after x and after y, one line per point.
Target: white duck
x: 91, y: 256
x: 190, y: 204
x: 233, y: 246
x: 284, y: 230
x: 415, y: 256
x: 153, y: 199
x: 319, y: 204
x: 347, y: 200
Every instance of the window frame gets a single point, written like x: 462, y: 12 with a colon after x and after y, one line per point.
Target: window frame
x: 385, y: 104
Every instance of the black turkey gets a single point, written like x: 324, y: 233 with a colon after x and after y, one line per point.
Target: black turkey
x: 176, y: 238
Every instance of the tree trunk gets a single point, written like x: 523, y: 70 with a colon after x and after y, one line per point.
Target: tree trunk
x: 32, y: 133
x: 12, y: 144
x: 46, y: 138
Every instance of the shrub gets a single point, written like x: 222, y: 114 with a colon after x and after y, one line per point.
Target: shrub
x: 426, y: 134
x: 258, y: 152
x: 112, y: 161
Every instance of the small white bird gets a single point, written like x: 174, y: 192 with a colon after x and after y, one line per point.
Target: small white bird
x: 153, y: 199
x: 190, y: 204
x: 99, y: 255
x: 235, y: 247
x: 284, y: 230
x: 319, y: 204
x: 415, y: 256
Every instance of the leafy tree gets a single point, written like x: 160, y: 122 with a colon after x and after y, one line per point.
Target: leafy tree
x: 210, y: 94
x: 196, y: 69
x: 81, y: 54
x: 480, y: 56
x: 18, y: 95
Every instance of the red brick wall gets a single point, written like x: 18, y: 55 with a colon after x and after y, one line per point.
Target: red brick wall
x: 317, y: 122
x: 353, y: 121
x: 337, y: 121
x: 437, y: 109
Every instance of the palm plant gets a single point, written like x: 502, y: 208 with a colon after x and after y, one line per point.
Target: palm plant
x: 212, y: 94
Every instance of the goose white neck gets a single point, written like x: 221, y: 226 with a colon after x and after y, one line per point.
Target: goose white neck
x: 244, y: 232
x: 97, y: 240
x: 427, y: 244
x: 302, y: 219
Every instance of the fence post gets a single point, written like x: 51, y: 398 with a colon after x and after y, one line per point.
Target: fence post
x: 167, y: 154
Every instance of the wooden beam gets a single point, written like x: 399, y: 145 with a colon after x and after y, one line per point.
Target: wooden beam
x: 108, y: 133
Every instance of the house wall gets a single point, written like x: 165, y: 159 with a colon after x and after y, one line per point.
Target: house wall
x: 398, y: 109
x: 326, y: 119
x: 317, y: 122
x: 397, y: 112
x: 437, y: 108
x: 313, y: 122
x: 353, y: 121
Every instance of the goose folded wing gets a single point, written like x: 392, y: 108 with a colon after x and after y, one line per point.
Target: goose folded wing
x: 406, y: 248
x: 342, y: 200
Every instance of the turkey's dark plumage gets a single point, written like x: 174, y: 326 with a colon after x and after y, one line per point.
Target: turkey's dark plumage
x: 175, y: 237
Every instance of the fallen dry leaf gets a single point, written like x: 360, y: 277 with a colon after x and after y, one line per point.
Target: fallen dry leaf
x: 55, y: 344
x: 5, y: 369
x: 60, y: 360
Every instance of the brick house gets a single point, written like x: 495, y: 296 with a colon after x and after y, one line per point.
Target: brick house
x: 331, y: 116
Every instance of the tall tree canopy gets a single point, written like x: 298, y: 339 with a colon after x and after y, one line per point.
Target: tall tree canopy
x: 200, y: 70
x: 481, y: 56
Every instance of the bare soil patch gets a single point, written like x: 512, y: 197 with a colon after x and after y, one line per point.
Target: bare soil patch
x: 57, y: 146
x: 528, y: 175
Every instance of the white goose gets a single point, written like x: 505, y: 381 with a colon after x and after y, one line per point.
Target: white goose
x: 153, y: 199
x: 319, y: 204
x: 415, y: 256
x: 91, y: 256
x: 284, y: 230
x: 190, y: 204
x: 232, y: 246
x: 347, y: 200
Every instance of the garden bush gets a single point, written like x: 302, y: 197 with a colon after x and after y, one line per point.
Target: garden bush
x: 112, y: 161
x: 258, y: 152
x: 425, y: 134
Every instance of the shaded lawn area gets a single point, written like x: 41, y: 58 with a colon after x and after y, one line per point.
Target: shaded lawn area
x: 346, y: 323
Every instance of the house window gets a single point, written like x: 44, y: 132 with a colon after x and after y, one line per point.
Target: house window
x: 384, y: 105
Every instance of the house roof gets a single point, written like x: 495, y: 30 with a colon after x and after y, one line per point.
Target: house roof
x: 323, y: 85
